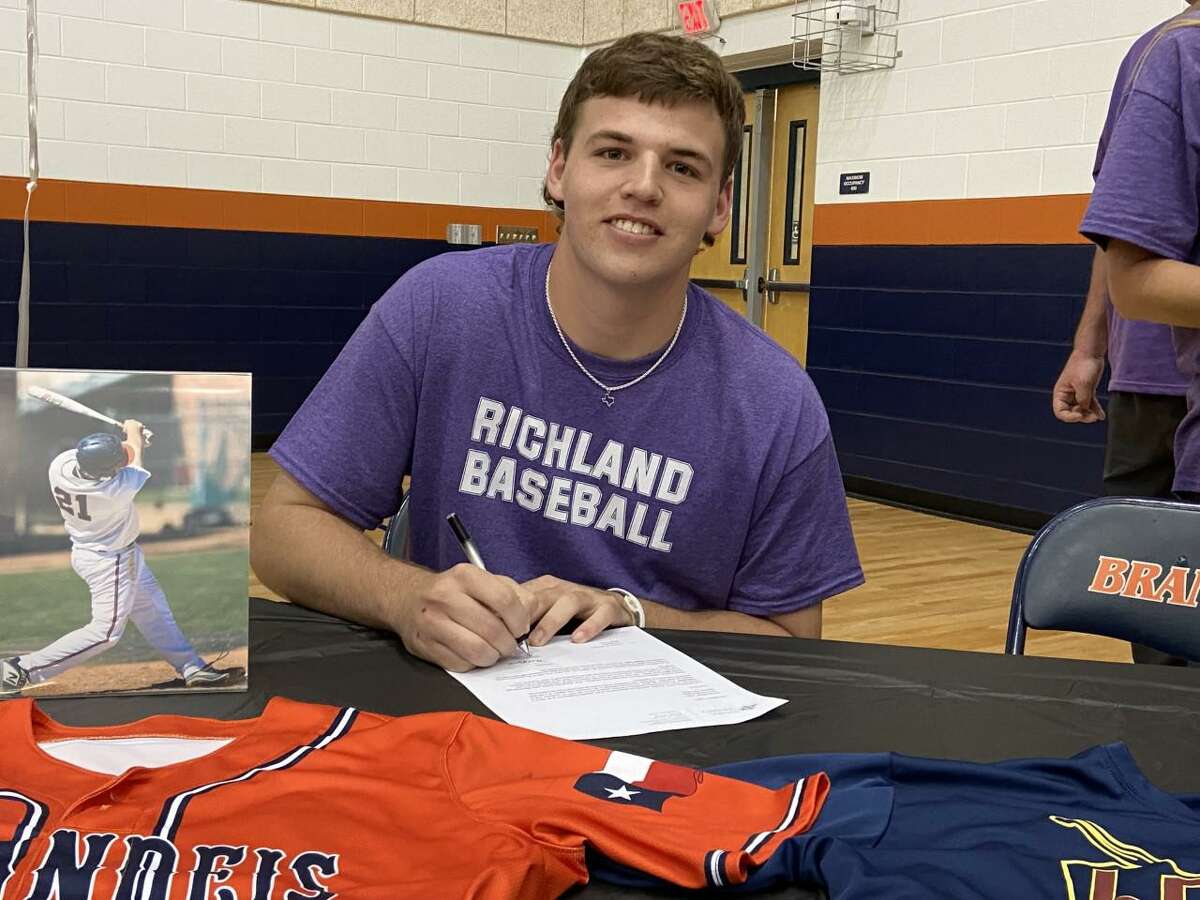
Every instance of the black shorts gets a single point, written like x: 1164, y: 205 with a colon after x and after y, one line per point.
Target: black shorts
x: 1139, y: 461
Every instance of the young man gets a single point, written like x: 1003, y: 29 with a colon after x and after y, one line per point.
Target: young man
x: 621, y: 446
x: 94, y: 485
x: 1146, y: 389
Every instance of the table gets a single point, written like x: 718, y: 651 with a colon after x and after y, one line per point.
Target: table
x: 844, y: 697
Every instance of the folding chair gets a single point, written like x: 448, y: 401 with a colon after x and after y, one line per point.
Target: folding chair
x: 1121, y: 567
x: 396, y: 536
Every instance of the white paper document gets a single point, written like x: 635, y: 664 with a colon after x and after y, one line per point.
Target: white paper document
x: 624, y: 681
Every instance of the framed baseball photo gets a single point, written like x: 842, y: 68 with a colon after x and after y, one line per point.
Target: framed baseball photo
x: 124, y: 531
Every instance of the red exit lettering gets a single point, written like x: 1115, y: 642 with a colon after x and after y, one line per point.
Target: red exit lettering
x: 693, y: 17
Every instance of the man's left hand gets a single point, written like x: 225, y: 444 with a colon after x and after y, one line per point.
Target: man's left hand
x: 556, y: 602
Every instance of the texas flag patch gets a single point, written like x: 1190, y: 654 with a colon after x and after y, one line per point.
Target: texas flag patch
x: 637, y: 781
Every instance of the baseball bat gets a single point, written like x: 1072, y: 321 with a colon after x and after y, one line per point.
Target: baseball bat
x: 56, y: 399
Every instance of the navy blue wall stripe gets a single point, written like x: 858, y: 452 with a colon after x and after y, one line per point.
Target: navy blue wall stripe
x: 935, y: 362
x: 122, y: 297
x: 936, y: 365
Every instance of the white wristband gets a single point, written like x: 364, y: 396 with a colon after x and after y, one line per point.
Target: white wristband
x: 633, y: 604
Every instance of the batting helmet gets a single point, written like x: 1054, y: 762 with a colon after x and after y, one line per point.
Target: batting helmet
x: 99, y: 455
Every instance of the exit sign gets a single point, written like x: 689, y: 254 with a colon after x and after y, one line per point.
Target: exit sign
x: 698, y: 17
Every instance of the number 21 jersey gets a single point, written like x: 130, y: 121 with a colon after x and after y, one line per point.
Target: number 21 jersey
x: 98, y: 515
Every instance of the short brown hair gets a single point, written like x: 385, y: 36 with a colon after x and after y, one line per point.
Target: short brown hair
x: 654, y: 68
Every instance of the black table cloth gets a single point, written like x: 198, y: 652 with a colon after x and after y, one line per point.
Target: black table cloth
x: 843, y: 697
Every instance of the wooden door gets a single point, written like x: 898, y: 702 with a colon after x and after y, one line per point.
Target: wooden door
x: 789, y: 245
x: 725, y: 262
x: 761, y: 264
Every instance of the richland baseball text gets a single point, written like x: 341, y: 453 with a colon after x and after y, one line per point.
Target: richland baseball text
x: 588, y: 502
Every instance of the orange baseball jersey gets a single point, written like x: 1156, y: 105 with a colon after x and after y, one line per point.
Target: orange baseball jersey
x: 311, y: 801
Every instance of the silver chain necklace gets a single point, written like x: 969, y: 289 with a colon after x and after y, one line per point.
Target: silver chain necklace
x: 607, y: 398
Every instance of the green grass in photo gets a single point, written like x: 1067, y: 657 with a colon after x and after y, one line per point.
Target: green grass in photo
x: 206, y: 591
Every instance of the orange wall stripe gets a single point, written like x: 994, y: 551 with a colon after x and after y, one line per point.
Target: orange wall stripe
x: 167, y: 207
x: 1005, y: 220
x: 1001, y: 220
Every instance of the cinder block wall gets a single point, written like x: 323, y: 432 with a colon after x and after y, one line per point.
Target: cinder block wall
x: 947, y: 296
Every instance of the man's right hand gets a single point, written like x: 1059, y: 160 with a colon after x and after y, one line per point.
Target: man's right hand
x: 464, y: 618
x: 1074, y: 398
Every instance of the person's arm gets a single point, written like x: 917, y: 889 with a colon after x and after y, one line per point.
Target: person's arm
x: 461, y: 618
x: 1143, y: 209
x: 801, y: 623
x: 1074, y: 395
x: 135, y: 440
x: 557, y: 601
x: 1153, y: 288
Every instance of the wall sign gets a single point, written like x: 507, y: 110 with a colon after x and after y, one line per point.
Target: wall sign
x: 855, y: 183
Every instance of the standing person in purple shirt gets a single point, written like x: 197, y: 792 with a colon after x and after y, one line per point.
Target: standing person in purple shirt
x: 1146, y: 389
x: 623, y: 448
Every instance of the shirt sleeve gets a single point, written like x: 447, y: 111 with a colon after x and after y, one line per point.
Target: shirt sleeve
x: 1146, y: 191
x: 800, y: 548
x: 350, y: 443
x: 682, y: 825
x: 128, y: 482
x: 857, y: 812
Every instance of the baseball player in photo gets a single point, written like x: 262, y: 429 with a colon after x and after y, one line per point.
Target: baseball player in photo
x: 95, y: 485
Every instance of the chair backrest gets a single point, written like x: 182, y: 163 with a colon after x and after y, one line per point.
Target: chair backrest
x: 396, y: 537
x: 1122, y: 567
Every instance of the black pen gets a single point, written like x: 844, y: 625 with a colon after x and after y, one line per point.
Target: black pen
x: 472, y: 553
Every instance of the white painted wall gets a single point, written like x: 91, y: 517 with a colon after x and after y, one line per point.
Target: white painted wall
x: 247, y: 96
x: 992, y: 98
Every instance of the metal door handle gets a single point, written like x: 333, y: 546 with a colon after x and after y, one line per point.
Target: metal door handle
x: 773, y: 287
x: 727, y: 284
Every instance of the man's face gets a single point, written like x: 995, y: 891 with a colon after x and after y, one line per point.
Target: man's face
x: 641, y: 186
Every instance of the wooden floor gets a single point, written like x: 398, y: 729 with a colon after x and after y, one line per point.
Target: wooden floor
x: 931, y: 582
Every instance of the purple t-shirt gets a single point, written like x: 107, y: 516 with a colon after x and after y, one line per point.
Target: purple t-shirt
x: 1148, y: 189
x: 712, y: 484
x: 1141, y: 355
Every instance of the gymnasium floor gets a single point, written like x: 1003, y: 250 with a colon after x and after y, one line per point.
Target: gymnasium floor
x: 931, y: 582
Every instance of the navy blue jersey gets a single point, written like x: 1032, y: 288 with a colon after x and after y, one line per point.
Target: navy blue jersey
x: 1091, y: 827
